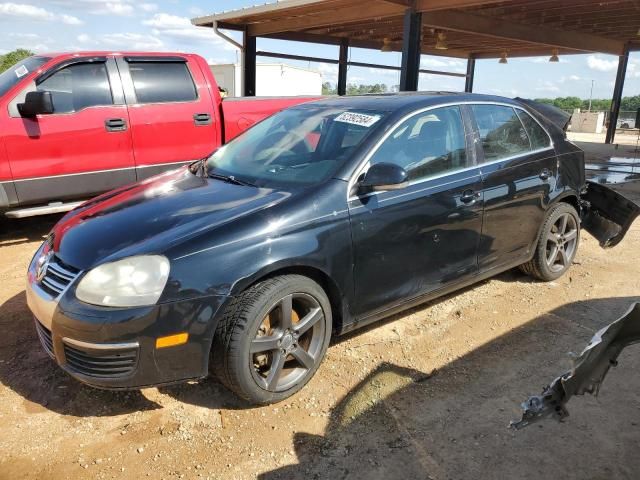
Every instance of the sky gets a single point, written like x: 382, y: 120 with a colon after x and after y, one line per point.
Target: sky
x: 163, y: 25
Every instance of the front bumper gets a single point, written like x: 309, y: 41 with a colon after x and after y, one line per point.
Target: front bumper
x: 116, y: 347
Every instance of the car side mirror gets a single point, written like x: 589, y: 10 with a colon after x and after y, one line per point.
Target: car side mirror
x: 384, y: 176
x: 36, y: 103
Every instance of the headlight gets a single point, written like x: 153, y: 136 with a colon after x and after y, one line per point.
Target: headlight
x: 131, y: 282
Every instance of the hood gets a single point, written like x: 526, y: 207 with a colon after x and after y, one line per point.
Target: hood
x: 153, y: 215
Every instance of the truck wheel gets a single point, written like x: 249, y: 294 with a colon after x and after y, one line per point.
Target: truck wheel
x: 557, y: 244
x: 272, y: 338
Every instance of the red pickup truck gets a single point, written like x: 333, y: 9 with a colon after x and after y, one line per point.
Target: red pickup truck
x: 73, y: 125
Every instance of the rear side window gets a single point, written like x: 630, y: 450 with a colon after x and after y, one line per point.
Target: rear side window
x: 161, y: 82
x: 501, y: 132
x: 537, y: 135
x: 78, y: 86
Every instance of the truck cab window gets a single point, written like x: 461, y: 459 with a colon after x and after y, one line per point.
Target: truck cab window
x: 161, y: 82
x: 78, y: 86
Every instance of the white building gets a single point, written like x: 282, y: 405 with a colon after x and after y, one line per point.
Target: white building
x: 272, y: 80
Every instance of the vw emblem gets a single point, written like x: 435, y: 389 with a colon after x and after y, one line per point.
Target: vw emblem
x: 43, y: 264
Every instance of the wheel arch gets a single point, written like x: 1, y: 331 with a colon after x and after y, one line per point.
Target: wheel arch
x: 339, y: 309
x: 572, y: 198
x: 569, y: 197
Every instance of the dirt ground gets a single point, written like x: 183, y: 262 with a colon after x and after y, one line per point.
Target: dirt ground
x: 424, y: 395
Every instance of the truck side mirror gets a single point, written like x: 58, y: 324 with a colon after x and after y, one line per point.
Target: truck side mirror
x: 36, y: 103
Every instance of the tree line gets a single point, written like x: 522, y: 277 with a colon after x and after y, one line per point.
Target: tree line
x: 598, y: 104
x: 357, y: 89
x: 11, y: 58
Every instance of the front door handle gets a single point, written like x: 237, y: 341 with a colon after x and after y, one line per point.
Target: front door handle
x: 115, y: 125
x: 545, y: 174
x: 469, y: 197
x: 202, y: 119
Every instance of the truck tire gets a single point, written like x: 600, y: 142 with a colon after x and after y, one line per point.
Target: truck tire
x: 557, y: 244
x: 272, y: 338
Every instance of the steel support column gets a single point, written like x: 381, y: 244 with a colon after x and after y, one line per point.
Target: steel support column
x: 249, y: 65
x: 411, y: 49
x: 342, y: 66
x: 471, y: 71
x: 617, y: 95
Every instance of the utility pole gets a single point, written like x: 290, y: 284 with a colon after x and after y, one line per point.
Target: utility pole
x: 591, y: 94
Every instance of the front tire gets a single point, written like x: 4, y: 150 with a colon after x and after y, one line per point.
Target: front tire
x: 272, y: 338
x: 557, y: 244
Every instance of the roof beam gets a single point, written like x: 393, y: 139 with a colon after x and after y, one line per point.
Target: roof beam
x: 352, y: 13
x: 359, y: 43
x: 433, y: 5
x: 498, y: 28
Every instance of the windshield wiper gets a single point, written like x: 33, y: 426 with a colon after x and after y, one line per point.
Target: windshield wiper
x: 230, y: 179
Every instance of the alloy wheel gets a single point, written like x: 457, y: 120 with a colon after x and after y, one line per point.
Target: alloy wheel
x: 561, y: 242
x: 288, y: 343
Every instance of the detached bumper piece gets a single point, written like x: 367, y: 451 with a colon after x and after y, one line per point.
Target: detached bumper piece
x: 588, y: 372
x: 608, y: 215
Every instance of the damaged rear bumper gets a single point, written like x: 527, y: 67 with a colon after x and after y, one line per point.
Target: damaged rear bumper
x: 606, y: 214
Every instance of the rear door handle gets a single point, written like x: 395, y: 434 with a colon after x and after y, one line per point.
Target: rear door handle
x: 469, y: 197
x: 545, y: 174
x: 115, y: 125
x: 202, y: 119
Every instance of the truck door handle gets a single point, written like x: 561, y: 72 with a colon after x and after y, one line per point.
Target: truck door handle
x: 202, y: 119
x: 469, y: 197
x: 115, y: 125
x: 545, y: 174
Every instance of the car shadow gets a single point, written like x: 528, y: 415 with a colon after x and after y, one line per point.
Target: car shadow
x: 404, y: 423
x: 27, y: 370
x: 209, y: 393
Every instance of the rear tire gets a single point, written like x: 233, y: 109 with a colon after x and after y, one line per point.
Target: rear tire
x: 272, y: 338
x: 557, y: 244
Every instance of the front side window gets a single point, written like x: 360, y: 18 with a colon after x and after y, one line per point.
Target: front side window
x: 296, y: 147
x: 537, y: 135
x: 162, y: 82
x: 501, y: 132
x: 78, y: 86
x: 427, y: 144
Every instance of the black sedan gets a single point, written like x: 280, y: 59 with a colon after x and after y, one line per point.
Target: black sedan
x: 321, y: 219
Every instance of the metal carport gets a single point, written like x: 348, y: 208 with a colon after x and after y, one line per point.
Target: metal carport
x: 470, y: 29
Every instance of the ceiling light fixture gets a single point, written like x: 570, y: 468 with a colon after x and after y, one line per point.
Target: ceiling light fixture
x: 554, y: 56
x: 441, y: 41
x: 503, y: 57
x: 386, y: 45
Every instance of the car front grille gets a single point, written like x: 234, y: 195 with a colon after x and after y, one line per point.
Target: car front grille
x: 58, y: 277
x: 45, y: 338
x: 98, y: 363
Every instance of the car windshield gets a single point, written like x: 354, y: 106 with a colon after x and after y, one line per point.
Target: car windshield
x: 14, y: 74
x: 300, y: 146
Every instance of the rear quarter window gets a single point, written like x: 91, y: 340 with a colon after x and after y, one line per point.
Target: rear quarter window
x: 537, y: 135
x: 162, y: 82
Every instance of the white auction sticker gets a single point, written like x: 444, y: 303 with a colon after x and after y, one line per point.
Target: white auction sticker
x: 362, y: 119
x: 21, y: 71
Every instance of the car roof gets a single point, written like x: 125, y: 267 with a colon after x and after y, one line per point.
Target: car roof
x: 408, y: 100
